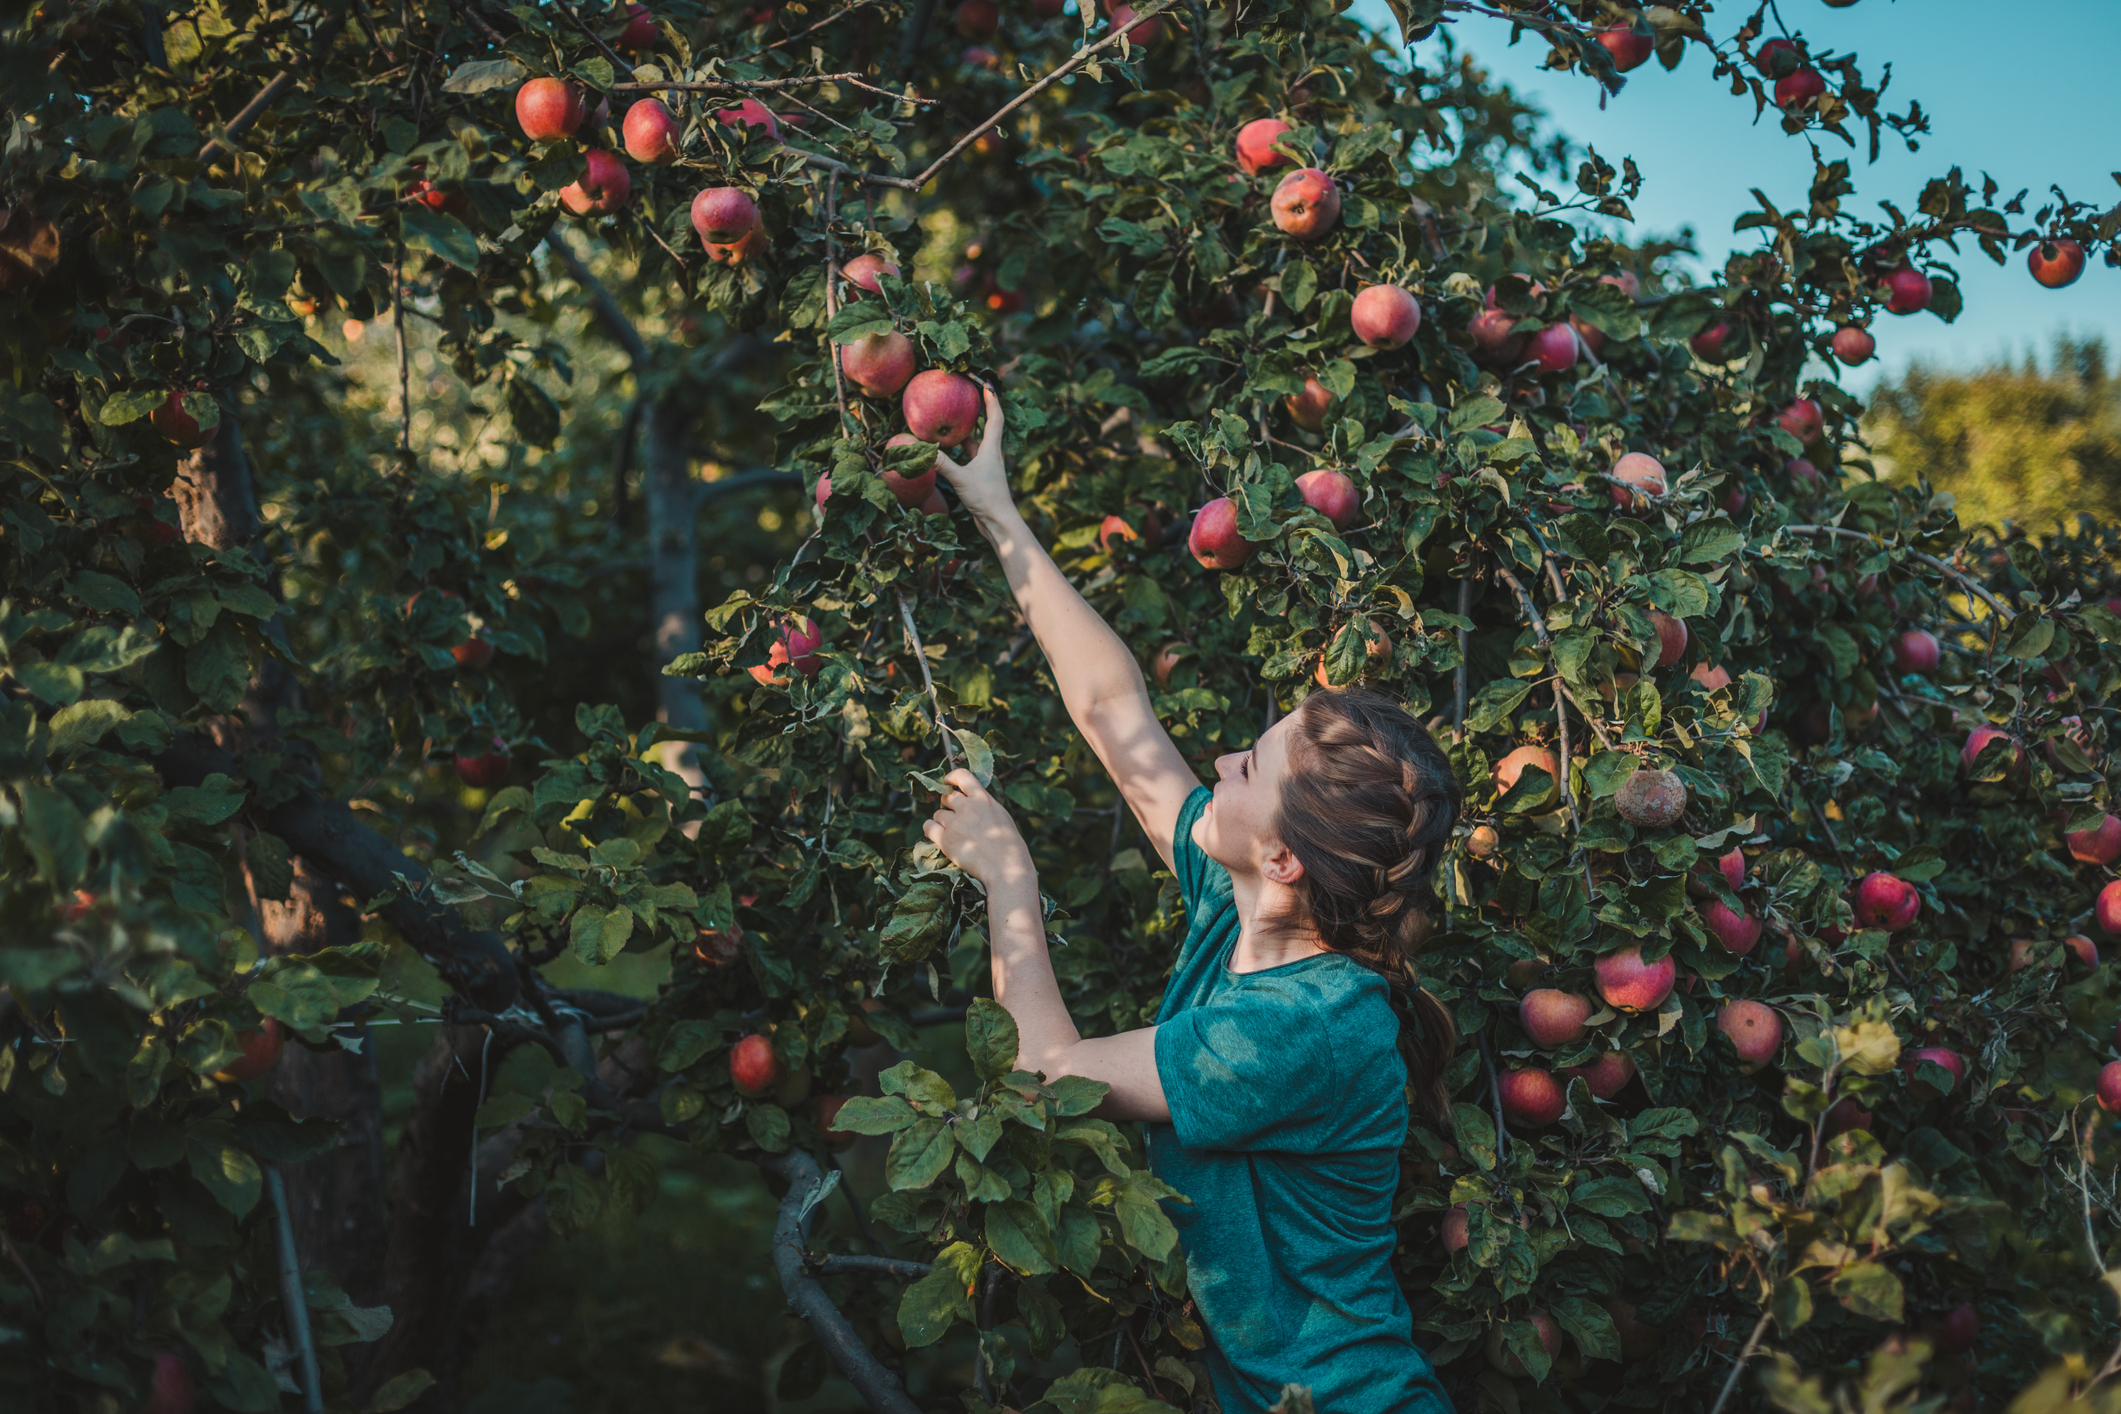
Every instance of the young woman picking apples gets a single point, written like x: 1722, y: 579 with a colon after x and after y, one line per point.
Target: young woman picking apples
x: 1274, y: 1084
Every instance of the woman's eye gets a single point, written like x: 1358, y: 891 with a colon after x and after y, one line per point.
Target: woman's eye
x: 1244, y: 769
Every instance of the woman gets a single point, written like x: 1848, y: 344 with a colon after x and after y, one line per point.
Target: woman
x: 1272, y: 1087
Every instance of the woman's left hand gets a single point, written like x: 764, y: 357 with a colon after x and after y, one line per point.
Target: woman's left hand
x: 975, y: 830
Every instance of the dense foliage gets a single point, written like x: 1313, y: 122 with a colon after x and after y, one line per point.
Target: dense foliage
x: 249, y: 632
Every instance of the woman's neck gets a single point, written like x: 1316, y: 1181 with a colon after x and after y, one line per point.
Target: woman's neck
x: 1263, y: 941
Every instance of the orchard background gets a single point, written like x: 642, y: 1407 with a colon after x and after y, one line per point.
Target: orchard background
x: 462, y: 760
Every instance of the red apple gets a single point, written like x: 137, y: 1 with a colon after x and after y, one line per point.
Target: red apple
x: 1332, y: 494
x: 978, y: 19
x: 650, y: 133
x: 1214, y: 540
x: 1853, y: 345
x: 1606, y: 1076
x: 801, y: 639
x: 1308, y: 409
x: 1454, y: 1235
x: 1738, y: 932
x: 2084, y: 950
x: 1796, y: 89
x: 474, y: 652
x: 2106, y: 909
x: 1755, y: 1030
x: 1509, y: 1364
x: 488, y: 768
x: 1916, y: 651
x: 979, y: 56
x: 754, y: 1068
x: 1712, y: 679
x: 1114, y: 528
x: 604, y: 188
x: 713, y: 946
x: 260, y: 1049
x: 909, y: 490
x: 880, y: 364
x: 1906, y: 291
x: 1495, y: 340
x: 178, y: 427
x: 1554, y: 349
x: 2110, y: 1087
x: 1552, y: 1017
x: 1139, y: 32
x: 752, y: 114
x: 1801, y: 472
x: 1627, y: 282
x: 2101, y: 844
x: 169, y: 1389
x: 1982, y: 736
x: 1532, y: 1097
x: 1385, y: 316
x: 1732, y: 866
x: 1255, y: 145
x: 941, y: 407
x: 1950, y: 1060
x: 862, y: 272
x: 1306, y: 204
x: 825, y: 1109
x: 1802, y: 420
x: 724, y: 215
x: 1167, y: 661
x: 549, y: 109
x: 1629, y: 984
x: 1628, y: 48
x: 1481, y: 843
x: 1886, y: 901
x: 1764, y: 60
x: 1651, y: 799
x: 1708, y: 344
x: 640, y: 31
x: 1671, y: 638
x: 1638, y: 479
x: 2056, y: 263
x: 1960, y: 1329
x: 1512, y: 766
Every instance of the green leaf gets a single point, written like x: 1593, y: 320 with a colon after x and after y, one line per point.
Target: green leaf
x: 1591, y: 1325
x: 1707, y: 541
x: 919, y: 1154
x: 865, y: 1114
x: 477, y: 77
x: 685, y: 1042
x: 768, y: 1127
x: 916, y: 925
x: 857, y: 320
x: 1791, y: 1304
x: 931, y: 1305
x: 131, y: 406
x: 598, y: 935
x: 990, y: 1038
x: 1019, y: 1236
x: 441, y: 233
x: 1868, y: 1289
x: 979, y: 757
x: 230, y: 1174
x: 84, y: 723
x: 401, y: 1391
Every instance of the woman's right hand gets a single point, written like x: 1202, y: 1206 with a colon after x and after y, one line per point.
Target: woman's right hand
x: 982, y: 482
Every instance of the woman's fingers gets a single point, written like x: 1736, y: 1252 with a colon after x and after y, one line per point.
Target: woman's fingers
x: 965, y: 781
x: 990, y: 442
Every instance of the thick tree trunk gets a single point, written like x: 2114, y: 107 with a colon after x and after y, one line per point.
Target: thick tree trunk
x: 673, y: 570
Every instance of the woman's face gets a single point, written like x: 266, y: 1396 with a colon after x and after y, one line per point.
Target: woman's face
x: 1238, y: 829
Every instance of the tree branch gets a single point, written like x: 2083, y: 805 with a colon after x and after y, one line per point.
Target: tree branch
x: 920, y: 655
x: 608, y: 313
x: 876, y: 1384
x: 1967, y: 583
x: 324, y: 832
x: 835, y: 15
x: 292, y: 1298
x: 878, y: 1266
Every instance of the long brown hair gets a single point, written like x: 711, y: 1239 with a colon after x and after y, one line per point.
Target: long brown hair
x: 1367, y: 805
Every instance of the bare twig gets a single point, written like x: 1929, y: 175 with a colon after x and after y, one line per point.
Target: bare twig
x: 397, y: 319
x: 1967, y: 583
x: 835, y: 15
x: 1502, y: 1133
x: 769, y: 86
x: 920, y: 655
x: 878, y: 1386
x: 1752, y: 1344
x: 291, y: 1294
x: 876, y: 1266
x: 2084, y: 1158
x: 618, y: 65
x: 1458, y: 678
x: 832, y: 301
x: 320, y: 44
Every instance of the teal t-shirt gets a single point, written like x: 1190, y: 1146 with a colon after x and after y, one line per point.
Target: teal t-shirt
x: 1288, y: 1109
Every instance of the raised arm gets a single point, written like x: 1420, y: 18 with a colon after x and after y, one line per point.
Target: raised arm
x: 1100, y: 682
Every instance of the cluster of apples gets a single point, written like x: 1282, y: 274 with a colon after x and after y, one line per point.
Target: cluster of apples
x: 757, y: 1073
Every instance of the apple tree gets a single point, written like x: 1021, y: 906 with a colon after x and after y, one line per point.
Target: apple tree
x: 1770, y: 931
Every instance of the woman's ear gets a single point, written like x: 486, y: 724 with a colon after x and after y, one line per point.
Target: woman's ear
x: 1281, y: 866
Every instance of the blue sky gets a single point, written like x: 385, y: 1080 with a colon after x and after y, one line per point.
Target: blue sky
x: 2025, y: 93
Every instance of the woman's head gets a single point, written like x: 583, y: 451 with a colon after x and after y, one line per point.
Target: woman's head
x: 1348, y: 803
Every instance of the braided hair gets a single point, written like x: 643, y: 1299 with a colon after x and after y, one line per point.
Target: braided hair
x: 1367, y: 805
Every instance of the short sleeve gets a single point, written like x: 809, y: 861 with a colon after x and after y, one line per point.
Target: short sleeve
x: 1197, y: 874
x: 1253, y: 1069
